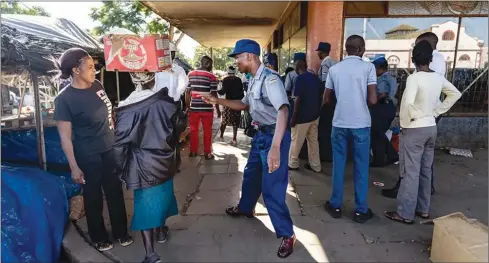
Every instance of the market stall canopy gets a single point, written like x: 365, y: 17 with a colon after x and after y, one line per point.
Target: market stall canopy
x: 221, y: 24
x: 27, y: 41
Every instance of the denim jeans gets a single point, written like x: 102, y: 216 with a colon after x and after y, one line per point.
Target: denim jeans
x: 273, y: 186
x: 361, y: 154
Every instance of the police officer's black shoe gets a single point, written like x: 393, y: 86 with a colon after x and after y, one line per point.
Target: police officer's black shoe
x: 392, y: 193
x: 363, y: 217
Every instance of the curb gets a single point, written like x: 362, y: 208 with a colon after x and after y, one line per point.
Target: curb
x: 78, y: 250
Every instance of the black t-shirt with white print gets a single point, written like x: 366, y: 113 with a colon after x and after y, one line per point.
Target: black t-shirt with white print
x: 90, y: 113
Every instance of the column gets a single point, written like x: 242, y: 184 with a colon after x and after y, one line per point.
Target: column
x: 324, y: 24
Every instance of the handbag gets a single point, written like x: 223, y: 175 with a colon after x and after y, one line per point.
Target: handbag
x: 181, y: 120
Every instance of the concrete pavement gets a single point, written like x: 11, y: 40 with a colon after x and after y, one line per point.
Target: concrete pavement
x: 203, y: 233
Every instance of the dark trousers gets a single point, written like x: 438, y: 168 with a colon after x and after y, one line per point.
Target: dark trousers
x: 99, y: 171
x: 273, y: 186
x: 382, y: 116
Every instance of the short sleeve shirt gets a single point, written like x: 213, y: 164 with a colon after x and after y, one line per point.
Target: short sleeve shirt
x: 386, y: 83
x: 266, y: 94
x: 349, y: 80
x: 326, y: 64
x: 90, y: 113
x: 308, y: 88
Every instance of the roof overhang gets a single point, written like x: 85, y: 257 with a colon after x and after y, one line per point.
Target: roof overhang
x: 221, y: 24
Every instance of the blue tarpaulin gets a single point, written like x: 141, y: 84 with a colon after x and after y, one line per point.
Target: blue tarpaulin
x: 34, y: 214
x: 21, y: 146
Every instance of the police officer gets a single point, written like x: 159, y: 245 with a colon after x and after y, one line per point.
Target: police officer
x: 326, y: 61
x: 267, y: 169
x: 270, y: 61
x: 382, y: 115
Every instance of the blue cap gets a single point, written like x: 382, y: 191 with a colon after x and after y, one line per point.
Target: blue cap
x: 380, y: 61
x: 324, y: 46
x: 299, y: 56
x: 270, y: 58
x: 246, y: 45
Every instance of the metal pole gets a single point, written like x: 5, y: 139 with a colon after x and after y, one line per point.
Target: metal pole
x: 456, y: 49
x: 41, y: 147
x: 117, y: 82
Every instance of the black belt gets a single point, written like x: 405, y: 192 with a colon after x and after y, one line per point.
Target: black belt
x: 266, y: 128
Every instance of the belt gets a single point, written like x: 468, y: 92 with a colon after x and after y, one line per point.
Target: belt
x: 266, y: 128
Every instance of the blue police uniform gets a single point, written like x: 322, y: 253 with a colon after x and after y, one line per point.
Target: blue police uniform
x: 382, y: 115
x: 265, y: 96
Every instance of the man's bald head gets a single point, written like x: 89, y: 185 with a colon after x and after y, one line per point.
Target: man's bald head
x: 428, y: 36
x: 355, y: 45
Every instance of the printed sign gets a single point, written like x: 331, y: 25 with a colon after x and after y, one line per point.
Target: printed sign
x: 130, y: 53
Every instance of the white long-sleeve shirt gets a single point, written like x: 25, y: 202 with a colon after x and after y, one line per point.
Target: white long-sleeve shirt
x: 175, y: 80
x: 420, y: 100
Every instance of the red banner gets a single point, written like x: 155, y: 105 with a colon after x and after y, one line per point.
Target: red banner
x: 131, y: 53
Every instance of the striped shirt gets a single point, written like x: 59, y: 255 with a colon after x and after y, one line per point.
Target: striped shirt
x: 201, y: 83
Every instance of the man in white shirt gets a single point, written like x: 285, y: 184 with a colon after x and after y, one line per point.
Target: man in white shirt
x: 419, y: 108
x: 176, y: 80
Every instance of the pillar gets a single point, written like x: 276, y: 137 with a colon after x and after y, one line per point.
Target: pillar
x: 324, y: 24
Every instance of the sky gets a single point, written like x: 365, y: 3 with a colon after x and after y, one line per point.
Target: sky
x: 79, y: 13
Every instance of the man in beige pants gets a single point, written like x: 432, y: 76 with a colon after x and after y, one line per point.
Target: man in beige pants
x: 305, y: 117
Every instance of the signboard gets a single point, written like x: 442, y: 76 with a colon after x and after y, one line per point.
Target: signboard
x: 130, y: 53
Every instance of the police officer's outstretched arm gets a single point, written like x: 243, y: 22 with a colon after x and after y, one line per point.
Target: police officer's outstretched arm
x: 233, y: 104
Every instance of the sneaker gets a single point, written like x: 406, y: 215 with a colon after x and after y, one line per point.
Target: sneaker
x: 309, y: 167
x: 333, y: 212
x: 104, y: 246
x: 126, y: 241
x: 162, y: 236
x: 152, y: 258
x: 363, y: 217
x: 286, y: 247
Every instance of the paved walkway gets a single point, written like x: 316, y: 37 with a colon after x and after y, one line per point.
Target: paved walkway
x: 203, y: 233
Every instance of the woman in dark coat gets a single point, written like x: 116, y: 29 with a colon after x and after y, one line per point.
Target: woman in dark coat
x: 145, y: 142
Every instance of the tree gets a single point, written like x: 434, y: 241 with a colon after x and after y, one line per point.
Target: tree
x: 14, y: 7
x: 219, y: 56
x: 131, y: 15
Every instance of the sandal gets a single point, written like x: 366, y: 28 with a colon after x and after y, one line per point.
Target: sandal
x: 104, y: 246
x: 191, y: 154
x: 394, y: 216
x: 234, y: 211
x: 209, y: 156
x: 422, y: 215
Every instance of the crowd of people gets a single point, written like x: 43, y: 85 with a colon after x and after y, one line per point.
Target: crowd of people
x: 139, y: 147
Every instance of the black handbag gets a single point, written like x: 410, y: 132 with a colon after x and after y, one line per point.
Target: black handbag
x: 181, y: 120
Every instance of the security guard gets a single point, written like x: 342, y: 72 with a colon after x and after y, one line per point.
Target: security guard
x: 267, y: 169
x: 270, y: 60
x: 326, y: 61
x: 382, y: 115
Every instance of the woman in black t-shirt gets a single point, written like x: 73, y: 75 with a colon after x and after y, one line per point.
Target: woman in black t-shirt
x: 83, y: 115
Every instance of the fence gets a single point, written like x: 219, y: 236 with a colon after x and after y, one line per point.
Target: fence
x: 474, y: 102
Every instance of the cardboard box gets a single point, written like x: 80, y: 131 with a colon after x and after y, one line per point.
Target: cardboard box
x: 130, y: 53
x: 459, y: 239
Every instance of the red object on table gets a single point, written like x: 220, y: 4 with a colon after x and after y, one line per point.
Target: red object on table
x: 130, y: 53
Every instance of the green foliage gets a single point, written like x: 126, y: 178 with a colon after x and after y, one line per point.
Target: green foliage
x: 15, y: 7
x: 219, y: 56
x: 131, y: 15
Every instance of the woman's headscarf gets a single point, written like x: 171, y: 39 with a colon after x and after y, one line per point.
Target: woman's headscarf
x: 141, y: 78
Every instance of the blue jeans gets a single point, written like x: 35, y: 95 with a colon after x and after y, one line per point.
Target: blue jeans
x: 257, y: 180
x: 361, y: 155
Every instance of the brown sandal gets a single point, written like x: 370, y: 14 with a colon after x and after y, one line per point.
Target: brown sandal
x: 394, y: 216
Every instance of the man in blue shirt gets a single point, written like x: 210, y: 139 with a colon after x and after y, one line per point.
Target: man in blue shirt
x: 305, y: 117
x: 353, y: 81
x: 383, y: 113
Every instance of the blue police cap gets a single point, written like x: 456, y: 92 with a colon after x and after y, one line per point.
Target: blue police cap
x: 246, y: 45
x: 380, y: 61
x: 324, y: 46
x: 299, y: 56
x: 270, y: 58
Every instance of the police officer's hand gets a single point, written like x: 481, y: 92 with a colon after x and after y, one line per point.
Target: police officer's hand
x: 209, y: 99
x: 273, y: 159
